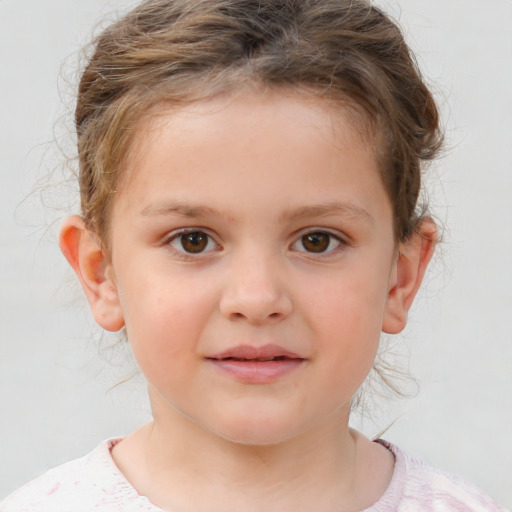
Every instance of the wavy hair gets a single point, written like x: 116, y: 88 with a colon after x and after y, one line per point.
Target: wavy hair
x: 181, y: 51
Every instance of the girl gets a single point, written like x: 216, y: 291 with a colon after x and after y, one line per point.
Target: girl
x: 249, y: 177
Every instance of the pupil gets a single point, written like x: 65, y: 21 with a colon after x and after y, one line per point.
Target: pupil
x: 194, y: 242
x: 316, y: 242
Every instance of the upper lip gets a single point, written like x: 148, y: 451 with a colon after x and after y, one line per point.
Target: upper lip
x: 250, y: 352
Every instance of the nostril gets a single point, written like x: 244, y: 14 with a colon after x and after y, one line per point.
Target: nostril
x: 255, y: 307
x: 236, y: 315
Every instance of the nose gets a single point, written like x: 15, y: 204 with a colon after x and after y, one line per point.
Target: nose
x: 255, y: 292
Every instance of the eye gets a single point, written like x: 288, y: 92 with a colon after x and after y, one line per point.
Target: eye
x: 192, y: 242
x: 317, y: 242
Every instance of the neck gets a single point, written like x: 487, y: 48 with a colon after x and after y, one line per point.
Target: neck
x: 180, y: 466
x: 255, y: 472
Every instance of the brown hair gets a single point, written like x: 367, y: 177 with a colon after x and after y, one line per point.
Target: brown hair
x: 179, y: 51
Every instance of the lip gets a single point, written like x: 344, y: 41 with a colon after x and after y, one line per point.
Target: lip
x: 257, y: 365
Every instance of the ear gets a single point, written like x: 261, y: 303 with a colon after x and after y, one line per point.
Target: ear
x: 94, y: 272
x: 411, y: 264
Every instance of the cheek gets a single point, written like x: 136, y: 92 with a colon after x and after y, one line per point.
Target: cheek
x: 346, y: 317
x: 164, y: 324
x: 349, y: 303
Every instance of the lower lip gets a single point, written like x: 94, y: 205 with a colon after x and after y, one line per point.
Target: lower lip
x: 257, y: 372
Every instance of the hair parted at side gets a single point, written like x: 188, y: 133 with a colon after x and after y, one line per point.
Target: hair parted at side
x: 181, y: 51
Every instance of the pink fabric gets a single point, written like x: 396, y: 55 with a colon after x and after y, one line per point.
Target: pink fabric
x: 94, y: 483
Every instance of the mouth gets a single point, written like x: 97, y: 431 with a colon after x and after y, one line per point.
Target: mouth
x: 257, y: 365
x: 256, y: 359
x: 251, y: 353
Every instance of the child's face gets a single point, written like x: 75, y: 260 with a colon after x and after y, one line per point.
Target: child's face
x: 253, y: 224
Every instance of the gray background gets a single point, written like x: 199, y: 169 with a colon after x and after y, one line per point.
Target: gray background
x: 56, y: 378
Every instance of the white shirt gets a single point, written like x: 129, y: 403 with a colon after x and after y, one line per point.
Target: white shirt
x: 94, y: 483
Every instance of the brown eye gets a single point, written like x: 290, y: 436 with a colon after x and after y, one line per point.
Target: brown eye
x: 317, y: 242
x: 192, y: 242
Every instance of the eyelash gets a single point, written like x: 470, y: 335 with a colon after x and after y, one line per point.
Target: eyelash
x: 338, y: 239
x: 190, y: 255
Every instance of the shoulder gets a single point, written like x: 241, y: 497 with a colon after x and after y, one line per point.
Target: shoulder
x: 428, y: 489
x: 92, y: 482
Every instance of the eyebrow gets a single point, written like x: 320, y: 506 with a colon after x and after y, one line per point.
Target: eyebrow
x: 193, y: 211
x: 329, y: 209
x: 178, y: 208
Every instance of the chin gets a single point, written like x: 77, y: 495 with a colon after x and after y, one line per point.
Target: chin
x: 258, y: 430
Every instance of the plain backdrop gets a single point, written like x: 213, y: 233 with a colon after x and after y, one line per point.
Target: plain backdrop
x: 58, y: 397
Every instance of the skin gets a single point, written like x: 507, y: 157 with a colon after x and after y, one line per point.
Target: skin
x: 254, y: 173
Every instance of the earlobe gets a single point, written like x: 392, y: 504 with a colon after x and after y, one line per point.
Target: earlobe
x: 412, y: 262
x: 94, y: 272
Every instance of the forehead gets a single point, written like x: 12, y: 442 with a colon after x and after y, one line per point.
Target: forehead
x: 261, y: 163
x: 251, y: 111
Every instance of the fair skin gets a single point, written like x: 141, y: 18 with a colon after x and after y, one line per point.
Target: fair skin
x: 245, y: 229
